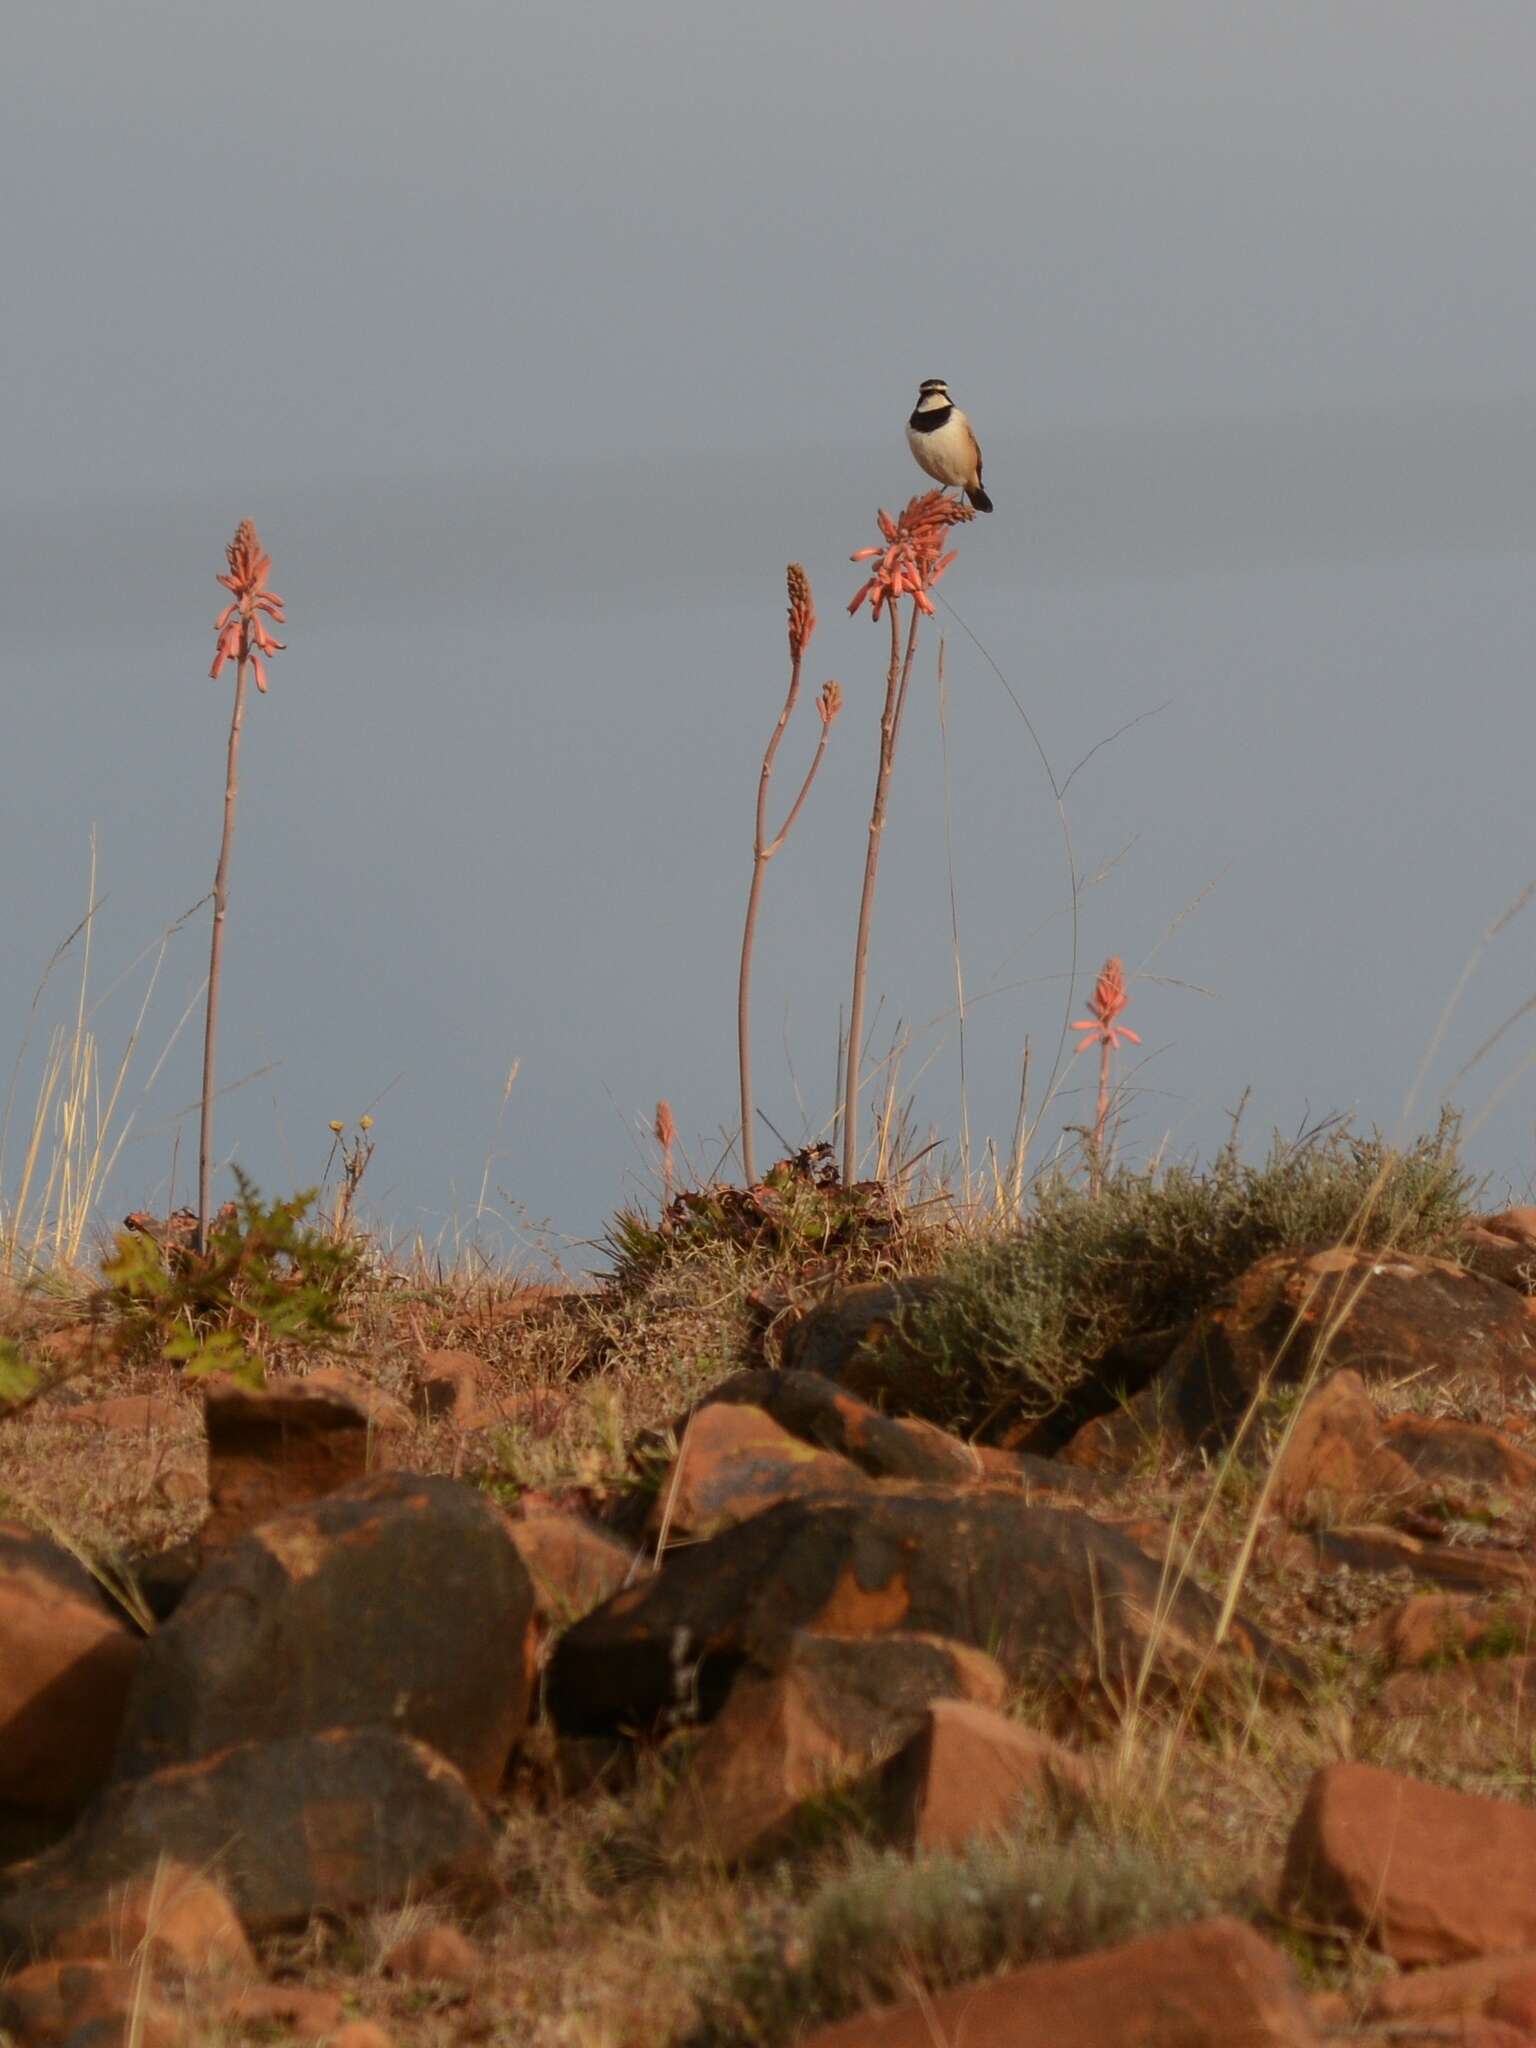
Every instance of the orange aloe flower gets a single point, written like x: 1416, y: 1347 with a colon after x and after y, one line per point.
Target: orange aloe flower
x: 913, y: 558
x: 1106, y: 1003
x: 242, y: 626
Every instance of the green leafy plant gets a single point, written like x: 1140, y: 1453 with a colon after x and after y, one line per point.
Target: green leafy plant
x: 266, y: 1279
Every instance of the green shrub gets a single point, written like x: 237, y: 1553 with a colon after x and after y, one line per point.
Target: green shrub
x: 1022, y: 1320
x: 885, y: 1922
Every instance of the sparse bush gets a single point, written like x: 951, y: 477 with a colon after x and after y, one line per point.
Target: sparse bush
x: 1023, y: 1319
x: 885, y: 1925
x: 799, y: 1212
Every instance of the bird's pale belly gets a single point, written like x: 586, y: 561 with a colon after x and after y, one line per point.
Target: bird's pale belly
x: 945, y: 454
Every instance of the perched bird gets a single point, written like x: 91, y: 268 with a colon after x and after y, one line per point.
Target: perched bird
x: 941, y: 437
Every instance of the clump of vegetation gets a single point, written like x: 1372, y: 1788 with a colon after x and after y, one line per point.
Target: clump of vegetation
x: 885, y: 1925
x: 799, y: 1214
x: 266, y: 1279
x: 1022, y: 1320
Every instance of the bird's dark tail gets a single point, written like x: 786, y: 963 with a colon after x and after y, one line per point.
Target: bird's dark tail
x: 979, y: 498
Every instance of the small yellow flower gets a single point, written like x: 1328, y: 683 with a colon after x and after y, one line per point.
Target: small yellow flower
x: 337, y: 1125
x: 365, y: 1123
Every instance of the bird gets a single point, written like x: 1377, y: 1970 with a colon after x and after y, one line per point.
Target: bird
x: 944, y: 442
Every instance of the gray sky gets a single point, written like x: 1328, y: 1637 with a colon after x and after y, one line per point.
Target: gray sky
x: 538, y: 339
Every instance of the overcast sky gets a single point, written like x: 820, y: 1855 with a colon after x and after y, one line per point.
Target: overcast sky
x: 538, y: 338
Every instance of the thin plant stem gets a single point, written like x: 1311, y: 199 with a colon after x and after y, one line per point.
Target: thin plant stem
x: 897, y: 677
x: 216, y: 963
x: 802, y: 624
x: 1101, y: 1117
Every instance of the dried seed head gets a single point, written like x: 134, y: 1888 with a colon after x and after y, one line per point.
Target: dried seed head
x: 830, y: 702
x: 666, y: 1128
x: 802, y: 610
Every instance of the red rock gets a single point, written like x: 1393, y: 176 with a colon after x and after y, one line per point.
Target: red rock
x: 450, y: 1386
x: 970, y: 1772
x: 397, y: 1602
x: 735, y: 1461
x: 820, y: 1412
x: 1343, y: 1458
x: 435, y: 1955
x: 857, y: 1338
x: 66, y: 1662
x: 1049, y: 1592
x: 289, y: 1442
x: 386, y: 1417
x: 1503, y: 1247
x: 1371, y: 1548
x: 97, y: 2002
x: 360, y: 2034
x: 1515, y: 2000
x: 333, y: 1823
x: 1425, y: 1874
x: 573, y: 1564
x: 1214, y: 1985
x: 809, y: 1727
x: 1334, y: 1458
x: 1434, y: 1628
x: 1387, y: 1317
x: 1453, y: 1989
x: 185, y: 1922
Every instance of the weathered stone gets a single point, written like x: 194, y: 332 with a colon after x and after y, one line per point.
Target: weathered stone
x: 573, y: 1565
x: 96, y: 2004
x: 1425, y: 1874
x: 275, y: 1448
x: 398, y: 1602
x: 388, y: 1420
x: 450, y: 1386
x: 441, y: 1955
x: 820, y: 1412
x: 181, y: 1919
x: 735, y: 1461
x: 1434, y: 1628
x: 66, y: 1662
x: 1453, y: 1989
x: 330, y: 1823
x: 1343, y: 1458
x: 969, y: 1772
x: 1054, y: 1596
x: 1503, y: 1247
x: 857, y: 1339
x: 808, y: 1727
x: 1388, y: 1317
x: 1213, y: 1985
x: 1371, y: 1548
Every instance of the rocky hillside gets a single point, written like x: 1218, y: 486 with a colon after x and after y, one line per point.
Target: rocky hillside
x: 1114, y: 1629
